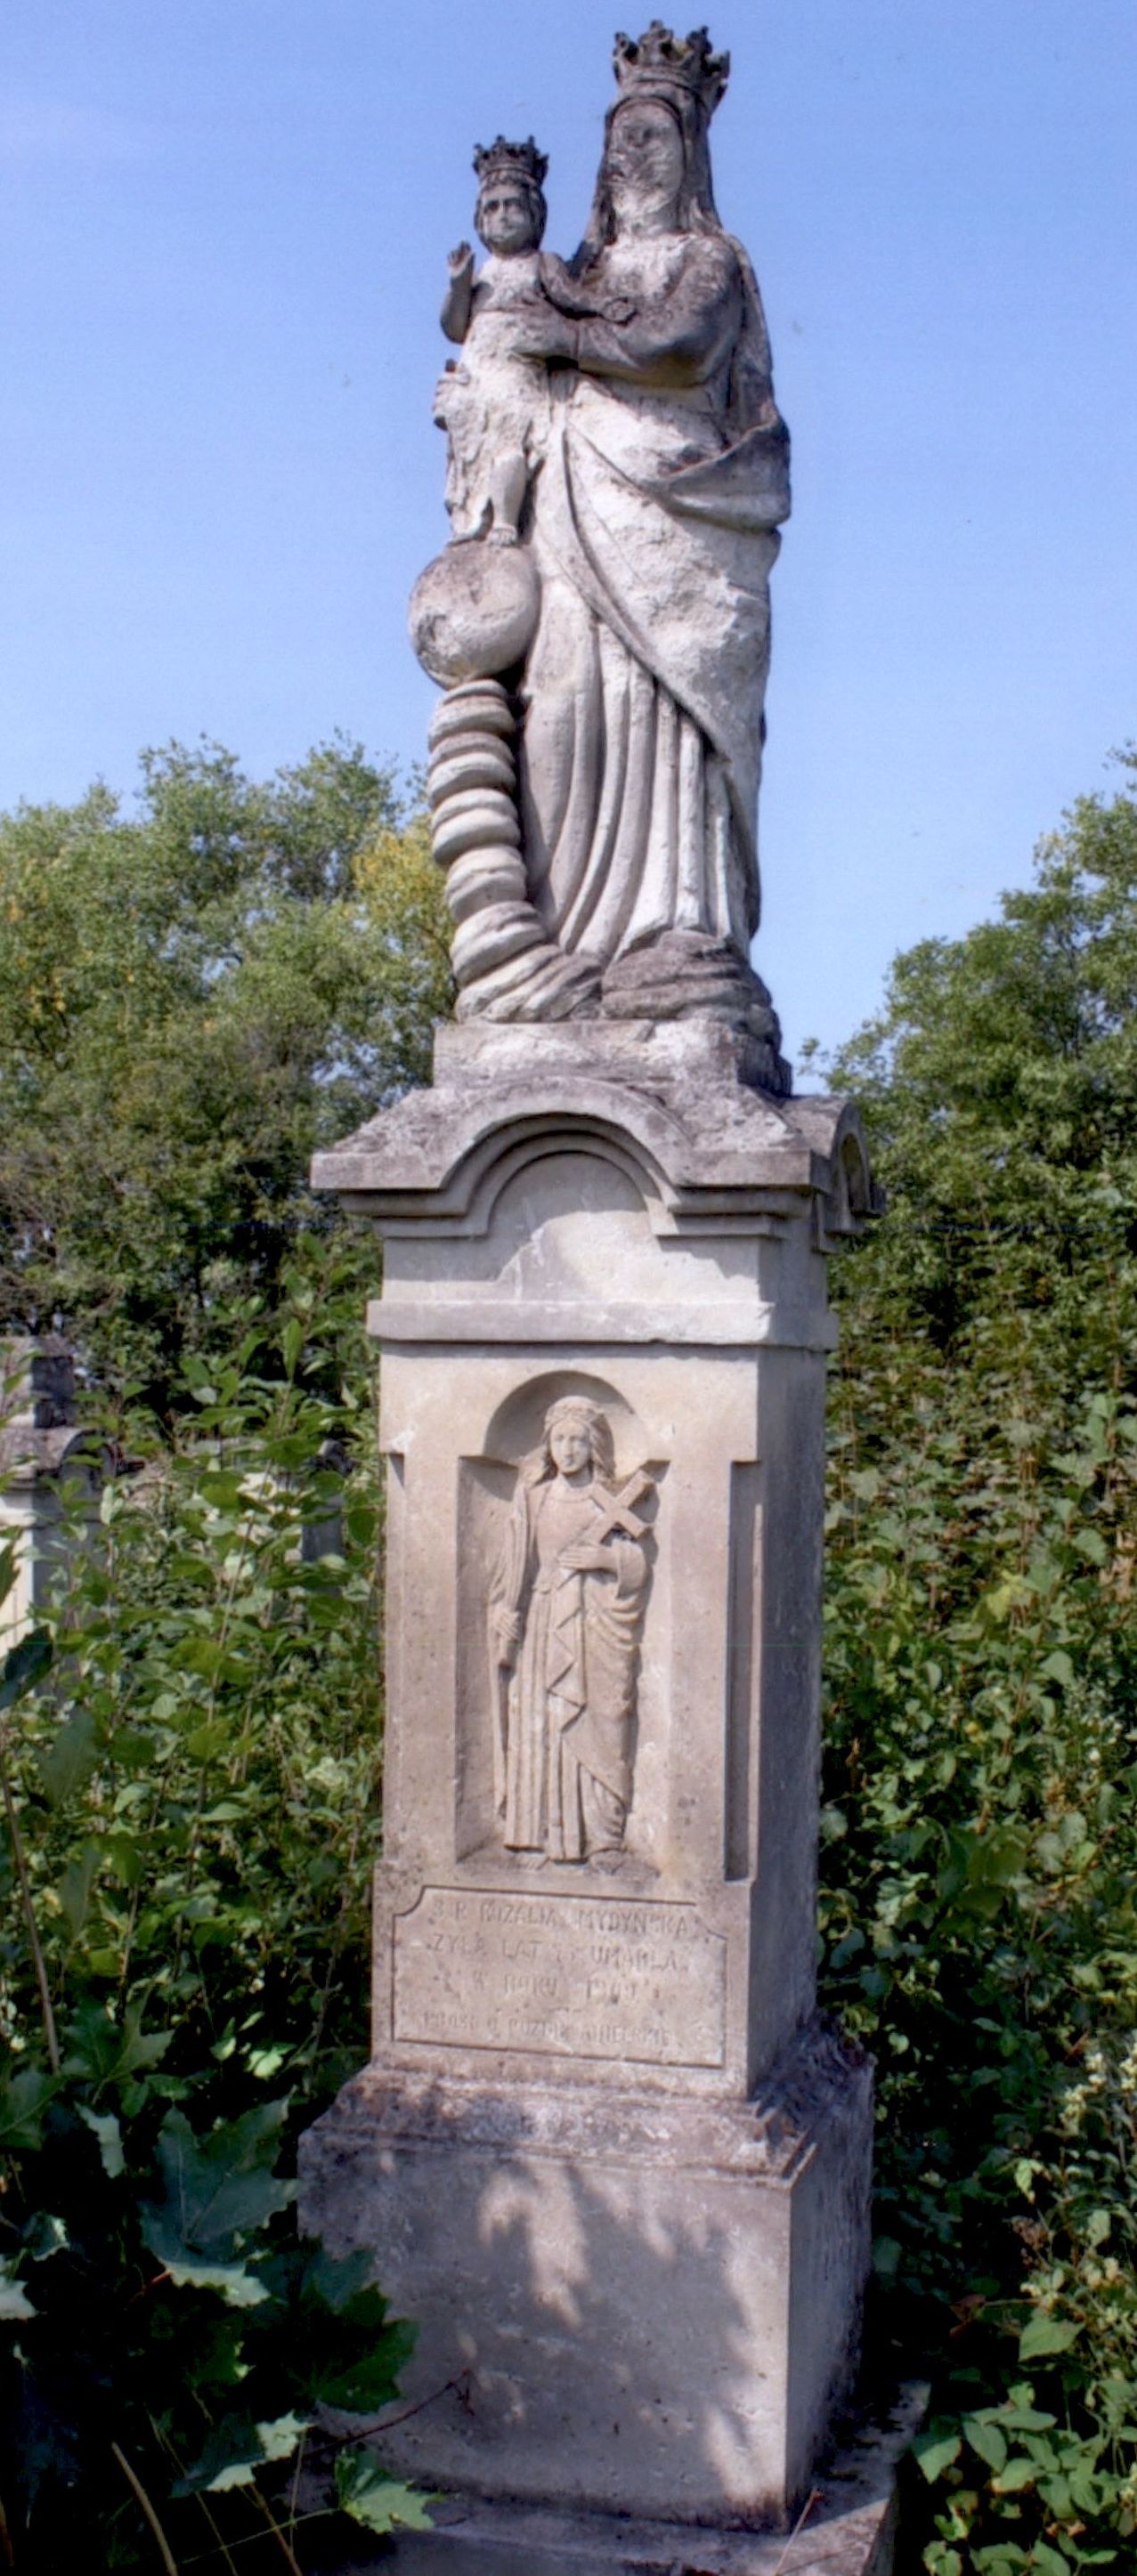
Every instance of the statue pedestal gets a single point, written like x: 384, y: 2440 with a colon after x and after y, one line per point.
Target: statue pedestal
x: 606, y: 2156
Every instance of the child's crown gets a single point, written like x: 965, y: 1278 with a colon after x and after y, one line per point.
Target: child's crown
x: 502, y: 160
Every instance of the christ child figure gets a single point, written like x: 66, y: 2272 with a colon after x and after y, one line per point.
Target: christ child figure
x: 493, y: 403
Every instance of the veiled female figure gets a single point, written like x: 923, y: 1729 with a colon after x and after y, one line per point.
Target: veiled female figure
x: 654, y: 530
x: 565, y: 1617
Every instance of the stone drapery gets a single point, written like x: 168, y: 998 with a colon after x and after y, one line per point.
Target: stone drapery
x: 566, y: 1758
x: 654, y: 530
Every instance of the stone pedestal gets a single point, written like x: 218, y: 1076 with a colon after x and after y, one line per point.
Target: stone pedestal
x: 51, y: 1473
x: 604, y: 2154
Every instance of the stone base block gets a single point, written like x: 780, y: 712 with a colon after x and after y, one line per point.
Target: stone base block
x: 847, y: 2528
x: 626, y: 2303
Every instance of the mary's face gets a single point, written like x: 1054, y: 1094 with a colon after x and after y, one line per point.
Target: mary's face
x: 645, y: 162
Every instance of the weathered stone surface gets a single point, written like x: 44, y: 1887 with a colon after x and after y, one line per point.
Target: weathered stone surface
x: 599, y: 2101
x: 472, y: 614
x: 51, y: 1470
x: 563, y: 1976
x: 494, y: 402
x: 665, y: 1282
x: 677, y: 1103
x: 848, y: 2528
x: 625, y: 2302
x: 617, y: 475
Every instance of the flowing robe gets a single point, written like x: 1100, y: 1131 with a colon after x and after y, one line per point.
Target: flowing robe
x: 566, y: 1761
x: 655, y: 527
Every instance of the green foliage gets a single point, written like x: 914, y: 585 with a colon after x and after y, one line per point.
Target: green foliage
x: 191, y: 999
x: 380, y: 2503
x: 979, y: 1909
x: 190, y: 1744
x: 189, y: 1756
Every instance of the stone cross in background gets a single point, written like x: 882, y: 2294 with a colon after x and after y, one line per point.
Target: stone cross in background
x: 605, y: 2154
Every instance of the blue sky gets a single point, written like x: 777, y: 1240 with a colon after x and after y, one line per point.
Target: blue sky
x: 223, y: 232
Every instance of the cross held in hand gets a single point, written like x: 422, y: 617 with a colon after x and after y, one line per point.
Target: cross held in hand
x: 621, y: 1514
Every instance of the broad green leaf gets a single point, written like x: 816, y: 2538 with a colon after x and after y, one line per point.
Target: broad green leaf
x: 15, y: 2305
x: 217, y: 2190
x: 346, y: 2351
x: 237, y: 2451
x: 234, y: 2283
x: 1017, y: 2473
x: 76, y: 1887
x: 360, y: 2385
x: 45, y: 2234
x: 987, y: 2439
x: 381, y: 2503
x: 207, y: 1741
x: 67, y: 1762
x: 105, y: 2127
x: 264, y: 2063
x: 24, y: 1665
x: 1054, y: 2562
x: 1091, y: 1545
x: 1058, y: 1667
x: 278, y: 2438
x: 1044, y: 2334
x: 24, y: 2098
x: 1087, y: 2491
x: 935, y: 2451
x: 102, y: 2050
x: 125, y: 1857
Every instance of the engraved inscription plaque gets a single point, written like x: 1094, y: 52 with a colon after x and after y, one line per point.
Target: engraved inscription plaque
x: 561, y: 1976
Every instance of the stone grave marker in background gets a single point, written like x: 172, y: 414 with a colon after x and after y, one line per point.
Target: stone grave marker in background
x: 605, y: 2153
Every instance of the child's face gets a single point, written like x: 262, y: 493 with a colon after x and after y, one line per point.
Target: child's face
x: 505, y: 218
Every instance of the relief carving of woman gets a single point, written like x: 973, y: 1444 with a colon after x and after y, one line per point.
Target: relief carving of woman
x: 655, y: 526
x: 566, y: 1613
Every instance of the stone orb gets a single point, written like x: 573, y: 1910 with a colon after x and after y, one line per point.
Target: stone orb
x: 473, y: 611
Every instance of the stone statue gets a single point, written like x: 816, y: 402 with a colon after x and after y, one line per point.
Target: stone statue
x: 629, y: 627
x: 599, y: 2097
x: 566, y: 1612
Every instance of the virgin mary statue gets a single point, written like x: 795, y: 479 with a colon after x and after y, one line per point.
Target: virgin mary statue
x: 654, y: 528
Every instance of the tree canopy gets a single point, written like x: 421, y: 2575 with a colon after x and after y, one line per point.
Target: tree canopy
x: 193, y: 995
x: 1000, y: 1081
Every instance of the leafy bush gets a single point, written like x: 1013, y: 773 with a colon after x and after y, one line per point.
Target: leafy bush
x: 190, y: 1751
x: 192, y: 1780
x: 979, y: 1908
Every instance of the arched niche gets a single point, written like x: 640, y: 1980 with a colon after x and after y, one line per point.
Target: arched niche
x: 487, y: 1483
